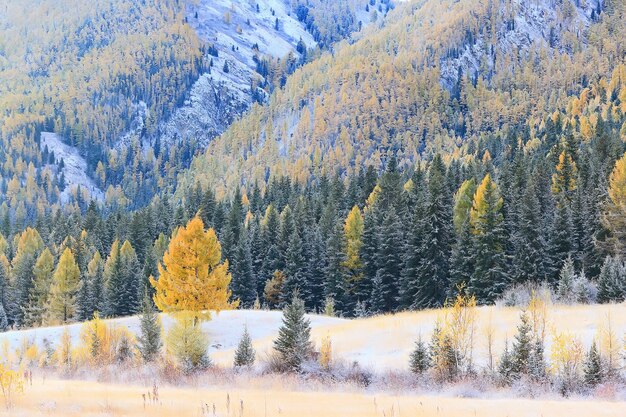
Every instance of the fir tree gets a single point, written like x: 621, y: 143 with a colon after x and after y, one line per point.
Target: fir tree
x: 522, y: 347
x: 506, y: 365
x: 433, y: 270
x: 4, y: 322
x: 612, y: 281
x: 293, y: 345
x: 389, y: 262
x: 565, y: 290
x: 243, y: 284
x: 335, y: 283
x: 488, y: 279
x: 593, y: 372
x: 149, y: 341
x: 245, y: 354
x: 419, y: 360
x: 43, y: 270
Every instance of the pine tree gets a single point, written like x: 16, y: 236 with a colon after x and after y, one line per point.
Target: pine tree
x: 132, y: 280
x: 522, y: 347
x: 149, y: 341
x: 461, y: 259
x: 488, y: 279
x: 191, y: 277
x: 4, y: 322
x: 293, y: 345
x: 505, y: 367
x: 29, y: 246
x: 245, y: 354
x: 612, y: 281
x: 593, y: 372
x: 64, y: 288
x: 295, y: 275
x: 114, y: 281
x: 434, y: 269
x: 243, y: 284
x: 565, y: 290
x: 389, y: 262
x: 95, y: 274
x: 335, y: 282
x: 419, y: 360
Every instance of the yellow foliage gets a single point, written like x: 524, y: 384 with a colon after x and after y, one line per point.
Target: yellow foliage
x: 326, y: 353
x: 191, y: 277
x: 566, y: 355
x: 11, y: 383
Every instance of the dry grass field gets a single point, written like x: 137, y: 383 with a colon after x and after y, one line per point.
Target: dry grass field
x: 60, y: 398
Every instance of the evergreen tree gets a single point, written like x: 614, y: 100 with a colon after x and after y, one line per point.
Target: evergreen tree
x: 522, y: 347
x: 488, y: 279
x: 35, y: 311
x: 335, y: 282
x: 243, y: 284
x: 565, y: 290
x: 614, y: 214
x: 149, y: 341
x: 4, y: 322
x: 293, y: 345
x: 295, y: 275
x: 434, y: 269
x: 461, y: 259
x: 29, y: 246
x: 593, y: 372
x: 389, y: 262
x: 95, y: 274
x: 245, y: 354
x: 419, y: 360
x: 612, y: 281
x: 505, y: 367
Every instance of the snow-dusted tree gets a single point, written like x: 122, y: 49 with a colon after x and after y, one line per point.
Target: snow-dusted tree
x: 187, y: 343
x: 245, y: 354
x: 565, y: 291
x: 4, y: 323
x: 522, y: 346
x: 293, y: 344
x: 593, y: 372
x: 149, y: 341
x: 612, y: 281
x: 419, y: 360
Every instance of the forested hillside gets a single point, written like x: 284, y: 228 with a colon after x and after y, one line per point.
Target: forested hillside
x: 452, y: 77
x: 372, y: 180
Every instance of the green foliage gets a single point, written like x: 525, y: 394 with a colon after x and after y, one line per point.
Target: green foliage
x: 188, y: 344
x: 245, y: 354
x: 149, y: 341
x: 293, y: 345
x: 419, y: 360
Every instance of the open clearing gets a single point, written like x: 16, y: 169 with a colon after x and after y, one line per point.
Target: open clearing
x: 87, y: 399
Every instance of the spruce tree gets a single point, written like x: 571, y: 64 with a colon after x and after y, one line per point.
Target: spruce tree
x: 245, y: 354
x: 565, y: 290
x: 294, y: 268
x: 433, y: 270
x: 389, y: 262
x: 293, y: 345
x: 488, y: 279
x: 505, y: 367
x: 243, y: 284
x: 149, y: 341
x: 522, y: 347
x: 612, y: 281
x: 419, y: 360
x: 4, y: 322
x: 43, y: 270
x: 335, y: 282
x: 593, y: 372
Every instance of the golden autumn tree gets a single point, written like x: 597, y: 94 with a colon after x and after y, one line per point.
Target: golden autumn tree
x: 614, y: 216
x: 192, y: 280
x: 353, y: 233
x: 64, y: 287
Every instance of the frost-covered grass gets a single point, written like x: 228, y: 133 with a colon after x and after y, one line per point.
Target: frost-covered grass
x: 381, y: 343
x: 51, y: 397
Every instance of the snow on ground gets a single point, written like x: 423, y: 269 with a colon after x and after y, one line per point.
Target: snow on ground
x: 224, y: 330
x: 379, y: 343
x: 75, y: 169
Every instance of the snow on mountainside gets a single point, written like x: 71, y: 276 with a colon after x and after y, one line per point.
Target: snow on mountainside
x: 537, y: 21
x: 233, y: 28
x: 75, y: 167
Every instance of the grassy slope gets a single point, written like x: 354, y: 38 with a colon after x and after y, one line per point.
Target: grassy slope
x: 87, y: 399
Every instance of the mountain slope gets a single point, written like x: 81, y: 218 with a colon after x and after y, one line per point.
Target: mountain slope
x: 435, y: 77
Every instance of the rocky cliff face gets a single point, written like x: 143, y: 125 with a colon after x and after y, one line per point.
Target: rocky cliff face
x: 523, y: 24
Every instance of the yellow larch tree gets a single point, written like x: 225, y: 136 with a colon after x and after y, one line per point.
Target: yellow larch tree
x: 192, y: 280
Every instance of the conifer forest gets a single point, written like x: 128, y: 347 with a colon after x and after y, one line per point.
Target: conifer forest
x: 313, y: 207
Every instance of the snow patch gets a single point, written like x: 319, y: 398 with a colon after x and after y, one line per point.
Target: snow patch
x: 75, y: 169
